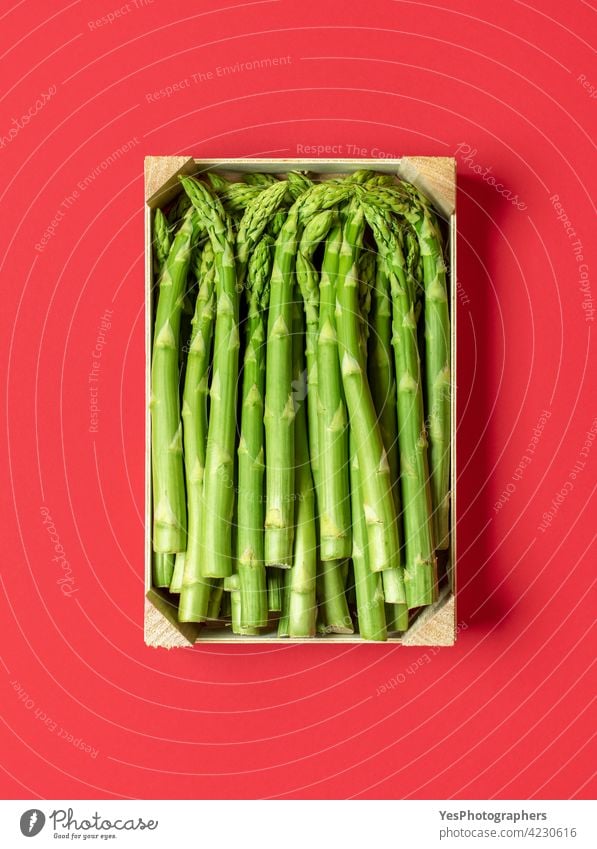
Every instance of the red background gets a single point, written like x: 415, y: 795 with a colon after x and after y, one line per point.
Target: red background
x: 507, y: 712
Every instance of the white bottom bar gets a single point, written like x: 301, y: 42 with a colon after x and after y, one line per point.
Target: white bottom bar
x: 304, y: 824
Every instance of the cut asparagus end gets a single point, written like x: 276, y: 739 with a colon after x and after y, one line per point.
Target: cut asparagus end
x: 178, y: 573
x: 274, y: 590
x: 393, y: 586
x: 377, y: 634
x: 168, y: 539
x: 217, y: 567
x: 301, y: 617
x: 253, y: 595
x: 334, y: 614
x: 194, y: 602
x: 163, y: 568
x: 335, y: 548
x: 278, y: 547
x: 397, y: 617
x: 215, y: 601
x: 420, y: 580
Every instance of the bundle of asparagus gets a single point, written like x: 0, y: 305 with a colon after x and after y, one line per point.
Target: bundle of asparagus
x: 301, y: 419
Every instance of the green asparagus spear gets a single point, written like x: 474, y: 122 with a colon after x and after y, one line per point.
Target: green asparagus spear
x: 275, y: 589
x: 397, y: 617
x: 232, y: 585
x: 380, y: 370
x: 163, y: 568
x: 218, y: 490
x: 251, y: 501
x: 177, y: 572
x: 169, y: 518
x: 380, y: 514
x: 368, y: 584
x: 406, y: 201
x: 279, y: 403
x: 301, y: 608
x: 420, y: 570
x: 214, y: 610
x: 333, y: 492
x: 331, y: 474
x: 195, y: 590
x: 308, y: 280
x: 163, y: 564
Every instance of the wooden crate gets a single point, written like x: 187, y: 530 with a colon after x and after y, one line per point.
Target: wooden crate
x: 436, y: 177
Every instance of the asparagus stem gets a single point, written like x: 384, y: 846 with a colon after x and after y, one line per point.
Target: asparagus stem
x: 163, y: 564
x: 397, y: 617
x: 301, y: 601
x: 380, y: 514
x: 215, y: 600
x: 349, y: 590
x: 178, y: 573
x: 195, y: 590
x: 308, y: 281
x: 232, y: 585
x: 275, y: 586
x: 368, y: 584
x: 169, y: 517
x: 374, y: 303
x: 283, y: 621
x: 250, y: 505
x: 334, y: 616
x: 406, y: 201
x: 225, y: 605
x: 380, y: 370
x: 333, y: 495
x: 163, y: 567
x: 421, y: 568
x: 329, y: 590
x: 279, y: 403
x: 437, y: 362
x: 218, y: 490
